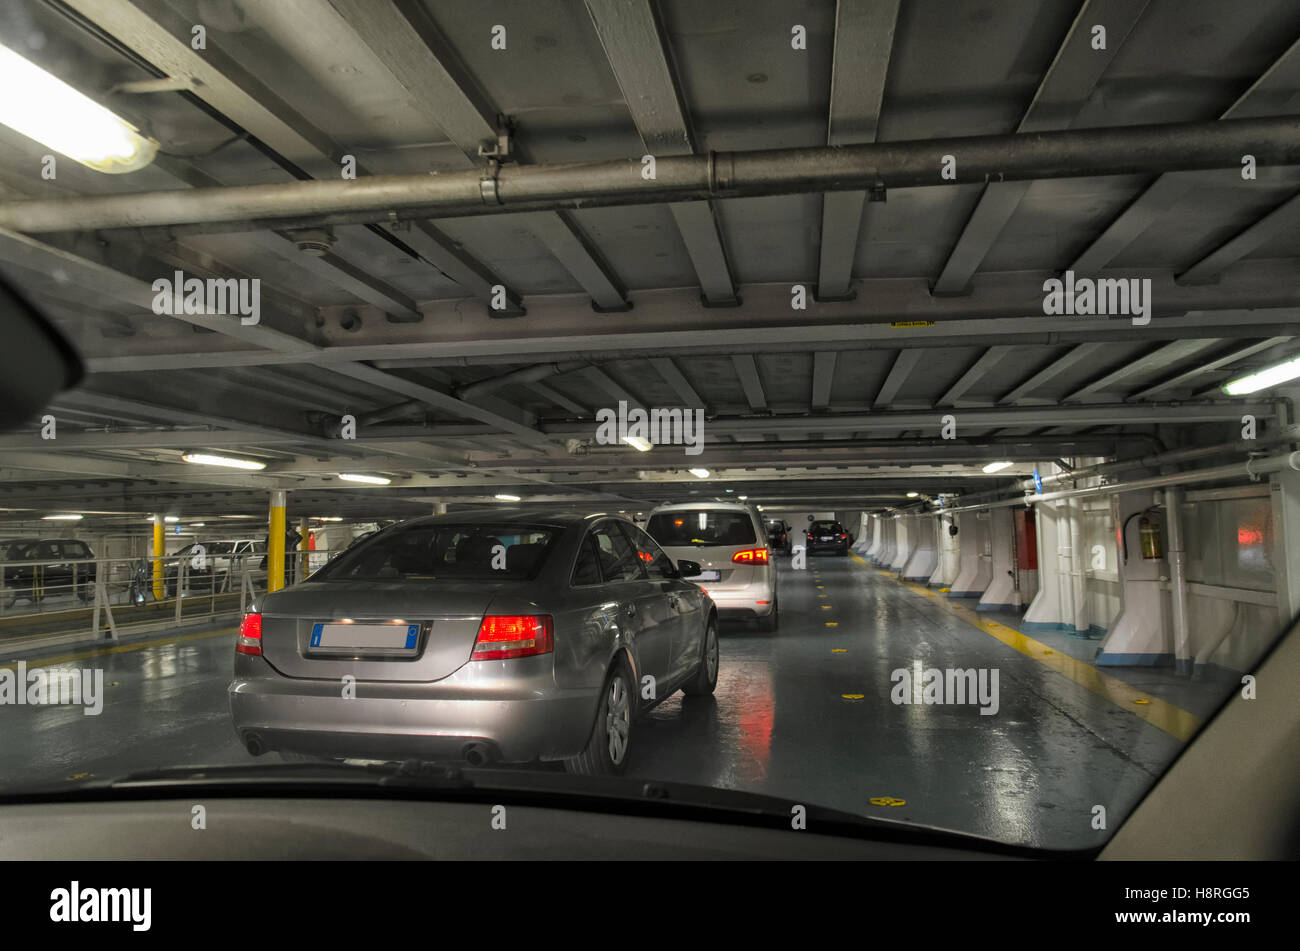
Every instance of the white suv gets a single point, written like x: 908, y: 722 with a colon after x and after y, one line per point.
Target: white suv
x: 728, y: 542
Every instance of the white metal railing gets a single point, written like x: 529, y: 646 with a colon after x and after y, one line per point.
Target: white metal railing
x: 83, y: 592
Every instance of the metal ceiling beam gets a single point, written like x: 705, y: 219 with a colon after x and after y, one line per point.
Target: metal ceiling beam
x: 1165, y: 356
x: 558, y: 398
x: 928, y: 422
x: 904, y: 364
x: 1284, y: 219
x: 1260, y: 299
x: 1227, y: 360
x: 980, y: 369
x: 1054, y: 369
x: 1272, y: 94
x: 340, y: 272
x: 605, y: 383
x: 671, y: 373
x: 823, y: 377
x: 747, y: 371
x: 1065, y: 89
x: 1082, y: 153
x: 637, y: 50
x: 283, y: 346
x: 864, y: 40
x: 162, y: 38
x: 411, y: 46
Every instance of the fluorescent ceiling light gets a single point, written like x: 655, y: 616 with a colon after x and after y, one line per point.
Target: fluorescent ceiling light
x: 503, y: 497
x: 328, y: 518
x: 639, y: 443
x: 369, y: 480
x: 45, y: 108
x: 998, y: 466
x: 742, y: 497
x: 912, y: 495
x: 205, y: 459
x: 197, y: 524
x: 61, y: 518
x: 701, y: 473
x: 1262, y: 380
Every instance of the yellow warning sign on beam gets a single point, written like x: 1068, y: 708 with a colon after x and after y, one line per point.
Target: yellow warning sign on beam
x: 912, y: 323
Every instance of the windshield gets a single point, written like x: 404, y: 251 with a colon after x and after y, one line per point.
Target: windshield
x: 701, y: 528
x: 886, y: 382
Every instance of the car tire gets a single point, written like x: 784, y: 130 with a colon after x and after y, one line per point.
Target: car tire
x: 706, y: 675
x: 769, y: 623
x: 601, y: 756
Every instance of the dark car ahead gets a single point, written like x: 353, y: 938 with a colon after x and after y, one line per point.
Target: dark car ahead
x: 36, y: 569
x: 503, y: 636
x: 778, y: 535
x: 823, y: 536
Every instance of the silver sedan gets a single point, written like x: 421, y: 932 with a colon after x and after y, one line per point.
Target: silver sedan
x: 495, y: 637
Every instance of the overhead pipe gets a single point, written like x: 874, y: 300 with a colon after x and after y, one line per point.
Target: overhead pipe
x: 1128, y: 150
x: 529, y: 374
x: 1170, y: 457
x: 1249, y: 469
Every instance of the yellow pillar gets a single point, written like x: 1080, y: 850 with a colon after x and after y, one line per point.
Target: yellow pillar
x: 158, y: 552
x: 275, y: 545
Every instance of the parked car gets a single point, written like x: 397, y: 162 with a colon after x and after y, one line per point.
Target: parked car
x: 827, y: 536
x: 511, y: 636
x: 210, y: 564
x: 728, y: 541
x: 37, y: 568
x: 778, y: 535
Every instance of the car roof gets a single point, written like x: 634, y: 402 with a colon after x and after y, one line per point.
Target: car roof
x: 524, y: 515
x: 697, y: 506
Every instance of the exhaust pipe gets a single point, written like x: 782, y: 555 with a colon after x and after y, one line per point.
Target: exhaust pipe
x: 253, y: 743
x: 476, y: 754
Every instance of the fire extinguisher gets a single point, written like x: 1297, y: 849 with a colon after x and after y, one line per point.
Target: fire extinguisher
x: 1149, y: 532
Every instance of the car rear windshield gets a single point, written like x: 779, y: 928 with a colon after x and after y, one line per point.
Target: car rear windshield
x: 701, y: 527
x: 479, y: 552
x: 827, y: 528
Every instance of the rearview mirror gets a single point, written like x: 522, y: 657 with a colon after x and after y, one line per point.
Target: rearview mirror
x: 36, y: 363
x: 689, y: 569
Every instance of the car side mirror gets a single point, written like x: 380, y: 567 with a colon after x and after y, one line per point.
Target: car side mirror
x: 689, y: 569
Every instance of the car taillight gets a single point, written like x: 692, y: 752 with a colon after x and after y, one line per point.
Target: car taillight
x: 751, y: 556
x: 501, y: 637
x: 250, y: 635
x: 844, y: 535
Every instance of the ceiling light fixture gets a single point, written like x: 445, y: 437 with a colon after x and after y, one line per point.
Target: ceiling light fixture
x: 504, y: 497
x: 912, y: 495
x: 998, y: 466
x: 699, y: 473
x: 61, y: 518
x: 1263, y: 379
x: 368, y: 480
x: 45, y: 108
x: 639, y: 443
x: 206, y: 459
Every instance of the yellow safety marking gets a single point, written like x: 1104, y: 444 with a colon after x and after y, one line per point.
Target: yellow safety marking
x: 886, y: 801
x: 1165, y: 716
x: 1141, y: 700
x: 945, y: 589
x: 832, y: 623
x: 119, y: 649
x: 852, y: 696
x: 79, y: 776
x: 826, y: 607
x: 839, y: 650
x: 820, y: 586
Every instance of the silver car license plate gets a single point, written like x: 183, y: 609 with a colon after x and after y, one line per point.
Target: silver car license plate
x: 388, y: 638
x: 826, y: 538
x: 706, y: 576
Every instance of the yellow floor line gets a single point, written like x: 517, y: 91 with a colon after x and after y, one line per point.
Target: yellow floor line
x: 118, y: 649
x: 1173, y: 720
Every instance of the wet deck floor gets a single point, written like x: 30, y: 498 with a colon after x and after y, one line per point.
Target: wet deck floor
x: 803, y: 713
